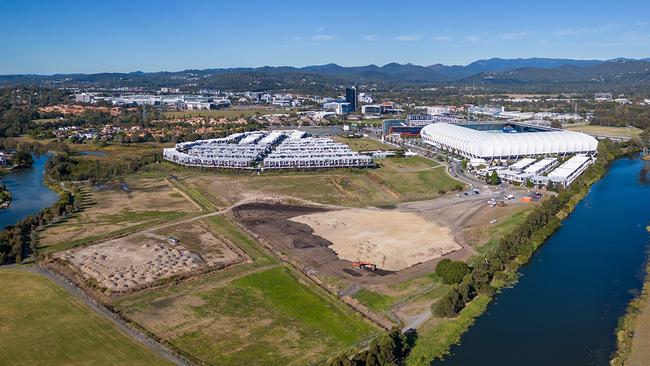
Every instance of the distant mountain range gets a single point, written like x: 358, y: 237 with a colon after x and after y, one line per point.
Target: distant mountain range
x: 495, y: 72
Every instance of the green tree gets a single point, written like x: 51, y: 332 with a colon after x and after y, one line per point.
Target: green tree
x: 449, y: 305
x: 451, y: 272
x: 644, y: 137
x: 493, y: 179
x: 23, y: 159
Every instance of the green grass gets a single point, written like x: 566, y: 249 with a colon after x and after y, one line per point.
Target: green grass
x: 225, y: 227
x: 364, y: 144
x: 501, y: 229
x: 375, y: 301
x: 283, y: 310
x: 434, y: 341
x: 268, y: 317
x: 307, y: 305
x: 396, y: 180
x: 124, y: 218
x: 195, y: 195
x: 625, y: 132
x: 43, y: 325
x: 415, y: 177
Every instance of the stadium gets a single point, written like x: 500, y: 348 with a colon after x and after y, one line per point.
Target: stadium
x: 495, y: 140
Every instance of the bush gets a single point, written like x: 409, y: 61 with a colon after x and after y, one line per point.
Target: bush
x: 388, y: 349
x: 449, y: 305
x: 493, y: 179
x: 451, y: 272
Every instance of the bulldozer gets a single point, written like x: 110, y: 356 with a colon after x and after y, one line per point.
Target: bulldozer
x: 368, y: 266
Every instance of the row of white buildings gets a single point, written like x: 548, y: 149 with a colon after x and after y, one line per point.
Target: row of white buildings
x: 542, y: 172
x: 284, y: 149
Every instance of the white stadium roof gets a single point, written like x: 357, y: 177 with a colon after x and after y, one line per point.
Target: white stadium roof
x: 474, y: 143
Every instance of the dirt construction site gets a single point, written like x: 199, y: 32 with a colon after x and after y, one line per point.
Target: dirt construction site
x: 404, y: 241
x: 137, y: 261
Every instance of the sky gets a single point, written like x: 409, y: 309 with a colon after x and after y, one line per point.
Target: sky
x: 65, y: 36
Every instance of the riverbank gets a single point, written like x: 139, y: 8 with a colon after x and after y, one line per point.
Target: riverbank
x: 633, y: 331
x: 5, y: 197
x: 35, y: 202
x: 499, y: 269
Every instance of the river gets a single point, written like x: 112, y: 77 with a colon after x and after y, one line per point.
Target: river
x: 29, y: 194
x: 565, y: 307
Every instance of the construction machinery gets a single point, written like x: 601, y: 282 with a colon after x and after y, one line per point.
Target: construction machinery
x: 368, y: 266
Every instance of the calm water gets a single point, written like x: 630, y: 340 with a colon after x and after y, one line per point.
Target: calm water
x: 565, y: 307
x: 29, y: 194
x: 92, y: 153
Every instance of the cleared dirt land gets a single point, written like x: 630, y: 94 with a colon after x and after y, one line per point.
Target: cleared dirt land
x: 259, y: 312
x: 43, y: 325
x: 117, y: 206
x: 135, y: 261
x: 379, y: 236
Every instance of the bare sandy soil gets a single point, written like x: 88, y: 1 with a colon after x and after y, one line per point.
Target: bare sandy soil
x: 391, y: 239
x: 136, y: 261
x: 450, y: 216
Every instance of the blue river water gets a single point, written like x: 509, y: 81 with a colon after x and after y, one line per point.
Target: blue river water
x: 566, y: 305
x: 29, y: 194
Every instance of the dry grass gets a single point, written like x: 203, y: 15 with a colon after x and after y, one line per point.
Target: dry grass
x: 397, y: 180
x: 623, y: 132
x: 111, y: 208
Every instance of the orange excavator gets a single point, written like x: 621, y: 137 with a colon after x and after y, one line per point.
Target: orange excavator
x: 365, y: 265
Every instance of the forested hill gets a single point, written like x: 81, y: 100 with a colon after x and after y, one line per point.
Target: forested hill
x: 533, y: 74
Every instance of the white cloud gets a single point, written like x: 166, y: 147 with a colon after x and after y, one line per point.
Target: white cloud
x: 369, y: 37
x: 514, y: 35
x: 442, y: 38
x: 322, y: 37
x: 586, y: 30
x: 408, y: 37
x: 472, y: 38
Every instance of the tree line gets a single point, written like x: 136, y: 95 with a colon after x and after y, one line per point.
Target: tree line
x: 518, y: 246
x: 63, y: 167
x: 17, y: 241
x: 388, y: 349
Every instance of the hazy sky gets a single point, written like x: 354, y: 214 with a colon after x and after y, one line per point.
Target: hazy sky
x: 59, y: 36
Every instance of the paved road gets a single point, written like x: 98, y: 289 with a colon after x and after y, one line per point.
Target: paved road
x: 99, y: 309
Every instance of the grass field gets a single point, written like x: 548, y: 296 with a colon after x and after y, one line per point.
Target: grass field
x: 374, y: 300
x: 625, y: 132
x: 414, y: 178
x: 43, y: 325
x: 490, y: 235
x: 222, y: 113
x: 364, y: 144
x: 259, y: 313
x: 112, y: 210
x: 397, y: 180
